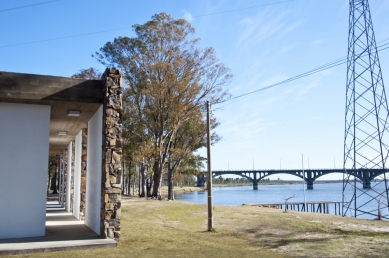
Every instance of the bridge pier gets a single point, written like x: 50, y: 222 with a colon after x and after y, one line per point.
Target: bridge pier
x: 255, y: 181
x: 366, y: 180
x: 255, y: 185
x: 309, y: 181
x: 366, y: 185
x: 201, y: 180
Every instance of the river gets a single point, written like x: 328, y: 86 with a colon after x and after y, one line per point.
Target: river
x: 238, y: 195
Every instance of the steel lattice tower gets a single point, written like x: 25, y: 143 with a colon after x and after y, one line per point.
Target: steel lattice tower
x: 366, y: 121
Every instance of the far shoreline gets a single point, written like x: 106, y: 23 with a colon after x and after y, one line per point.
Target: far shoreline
x: 190, y: 189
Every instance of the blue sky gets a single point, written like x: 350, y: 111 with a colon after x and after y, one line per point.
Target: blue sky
x: 262, y: 45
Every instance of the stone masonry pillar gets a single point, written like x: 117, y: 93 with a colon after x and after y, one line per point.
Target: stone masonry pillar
x: 59, y: 185
x: 83, y: 174
x: 112, y: 154
x: 72, y: 177
x: 62, y: 174
x: 65, y: 172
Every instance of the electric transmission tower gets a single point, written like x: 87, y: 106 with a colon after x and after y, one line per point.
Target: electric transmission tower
x: 365, y: 191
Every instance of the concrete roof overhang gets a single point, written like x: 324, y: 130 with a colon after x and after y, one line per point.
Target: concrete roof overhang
x: 62, y: 94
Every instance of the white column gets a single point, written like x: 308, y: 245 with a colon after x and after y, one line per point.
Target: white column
x: 93, y: 171
x: 24, y: 152
x: 77, y: 175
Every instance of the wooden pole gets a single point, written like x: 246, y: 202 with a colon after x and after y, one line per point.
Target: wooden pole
x: 209, y: 186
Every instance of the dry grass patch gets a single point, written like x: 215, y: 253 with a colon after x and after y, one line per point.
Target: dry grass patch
x: 153, y: 228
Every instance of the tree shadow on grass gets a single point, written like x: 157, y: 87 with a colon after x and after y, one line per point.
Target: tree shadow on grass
x: 362, y: 233
x: 282, y: 238
x: 271, y: 240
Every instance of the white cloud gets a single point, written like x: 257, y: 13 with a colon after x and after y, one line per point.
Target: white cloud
x: 314, y: 83
x: 187, y: 16
x: 288, y: 48
x: 384, y: 4
x: 266, y: 24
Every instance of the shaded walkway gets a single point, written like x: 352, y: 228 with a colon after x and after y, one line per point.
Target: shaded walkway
x: 63, y: 232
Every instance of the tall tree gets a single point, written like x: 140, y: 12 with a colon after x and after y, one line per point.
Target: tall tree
x: 88, y: 74
x: 190, y: 137
x: 168, y: 78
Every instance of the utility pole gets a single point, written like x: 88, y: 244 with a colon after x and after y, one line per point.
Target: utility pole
x: 305, y: 199
x: 209, y: 183
x: 366, y: 124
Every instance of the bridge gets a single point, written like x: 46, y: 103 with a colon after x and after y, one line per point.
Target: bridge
x: 364, y: 175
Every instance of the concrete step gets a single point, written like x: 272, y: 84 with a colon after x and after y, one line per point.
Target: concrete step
x: 50, y: 246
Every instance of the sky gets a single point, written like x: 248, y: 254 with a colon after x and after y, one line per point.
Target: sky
x: 262, y: 41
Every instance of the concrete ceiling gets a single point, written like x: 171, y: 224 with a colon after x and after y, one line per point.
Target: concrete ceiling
x: 62, y: 94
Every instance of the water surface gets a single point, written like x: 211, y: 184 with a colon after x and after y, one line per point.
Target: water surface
x: 238, y: 195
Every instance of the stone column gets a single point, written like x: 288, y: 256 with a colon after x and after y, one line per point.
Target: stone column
x: 72, y: 177
x: 62, y: 179
x: 83, y: 174
x: 65, y: 172
x: 112, y: 154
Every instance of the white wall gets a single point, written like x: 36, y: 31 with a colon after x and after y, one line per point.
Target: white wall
x: 93, y: 171
x: 77, y: 175
x: 24, y: 139
x: 69, y: 177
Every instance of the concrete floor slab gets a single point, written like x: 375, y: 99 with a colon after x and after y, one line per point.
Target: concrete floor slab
x: 63, y: 232
x: 50, y: 246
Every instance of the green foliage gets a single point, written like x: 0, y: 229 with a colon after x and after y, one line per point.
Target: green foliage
x: 53, y: 163
x: 88, y: 74
x: 213, y: 230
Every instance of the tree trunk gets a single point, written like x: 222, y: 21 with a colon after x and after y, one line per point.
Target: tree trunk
x: 139, y: 182
x: 149, y: 186
x: 49, y: 184
x: 133, y: 185
x: 143, y: 175
x: 157, y: 180
x: 128, y: 181
x: 54, y: 182
x: 123, y: 184
x: 129, y: 185
x: 170, y: 182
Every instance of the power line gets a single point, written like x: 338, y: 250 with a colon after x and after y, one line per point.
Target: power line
x: 65, y: 37
x: 25, y: 6
x: 123, y: 28
x: 327, y: 66
x: 234, y: 10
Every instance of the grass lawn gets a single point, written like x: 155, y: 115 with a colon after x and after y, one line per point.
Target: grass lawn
x: 152, y: 228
